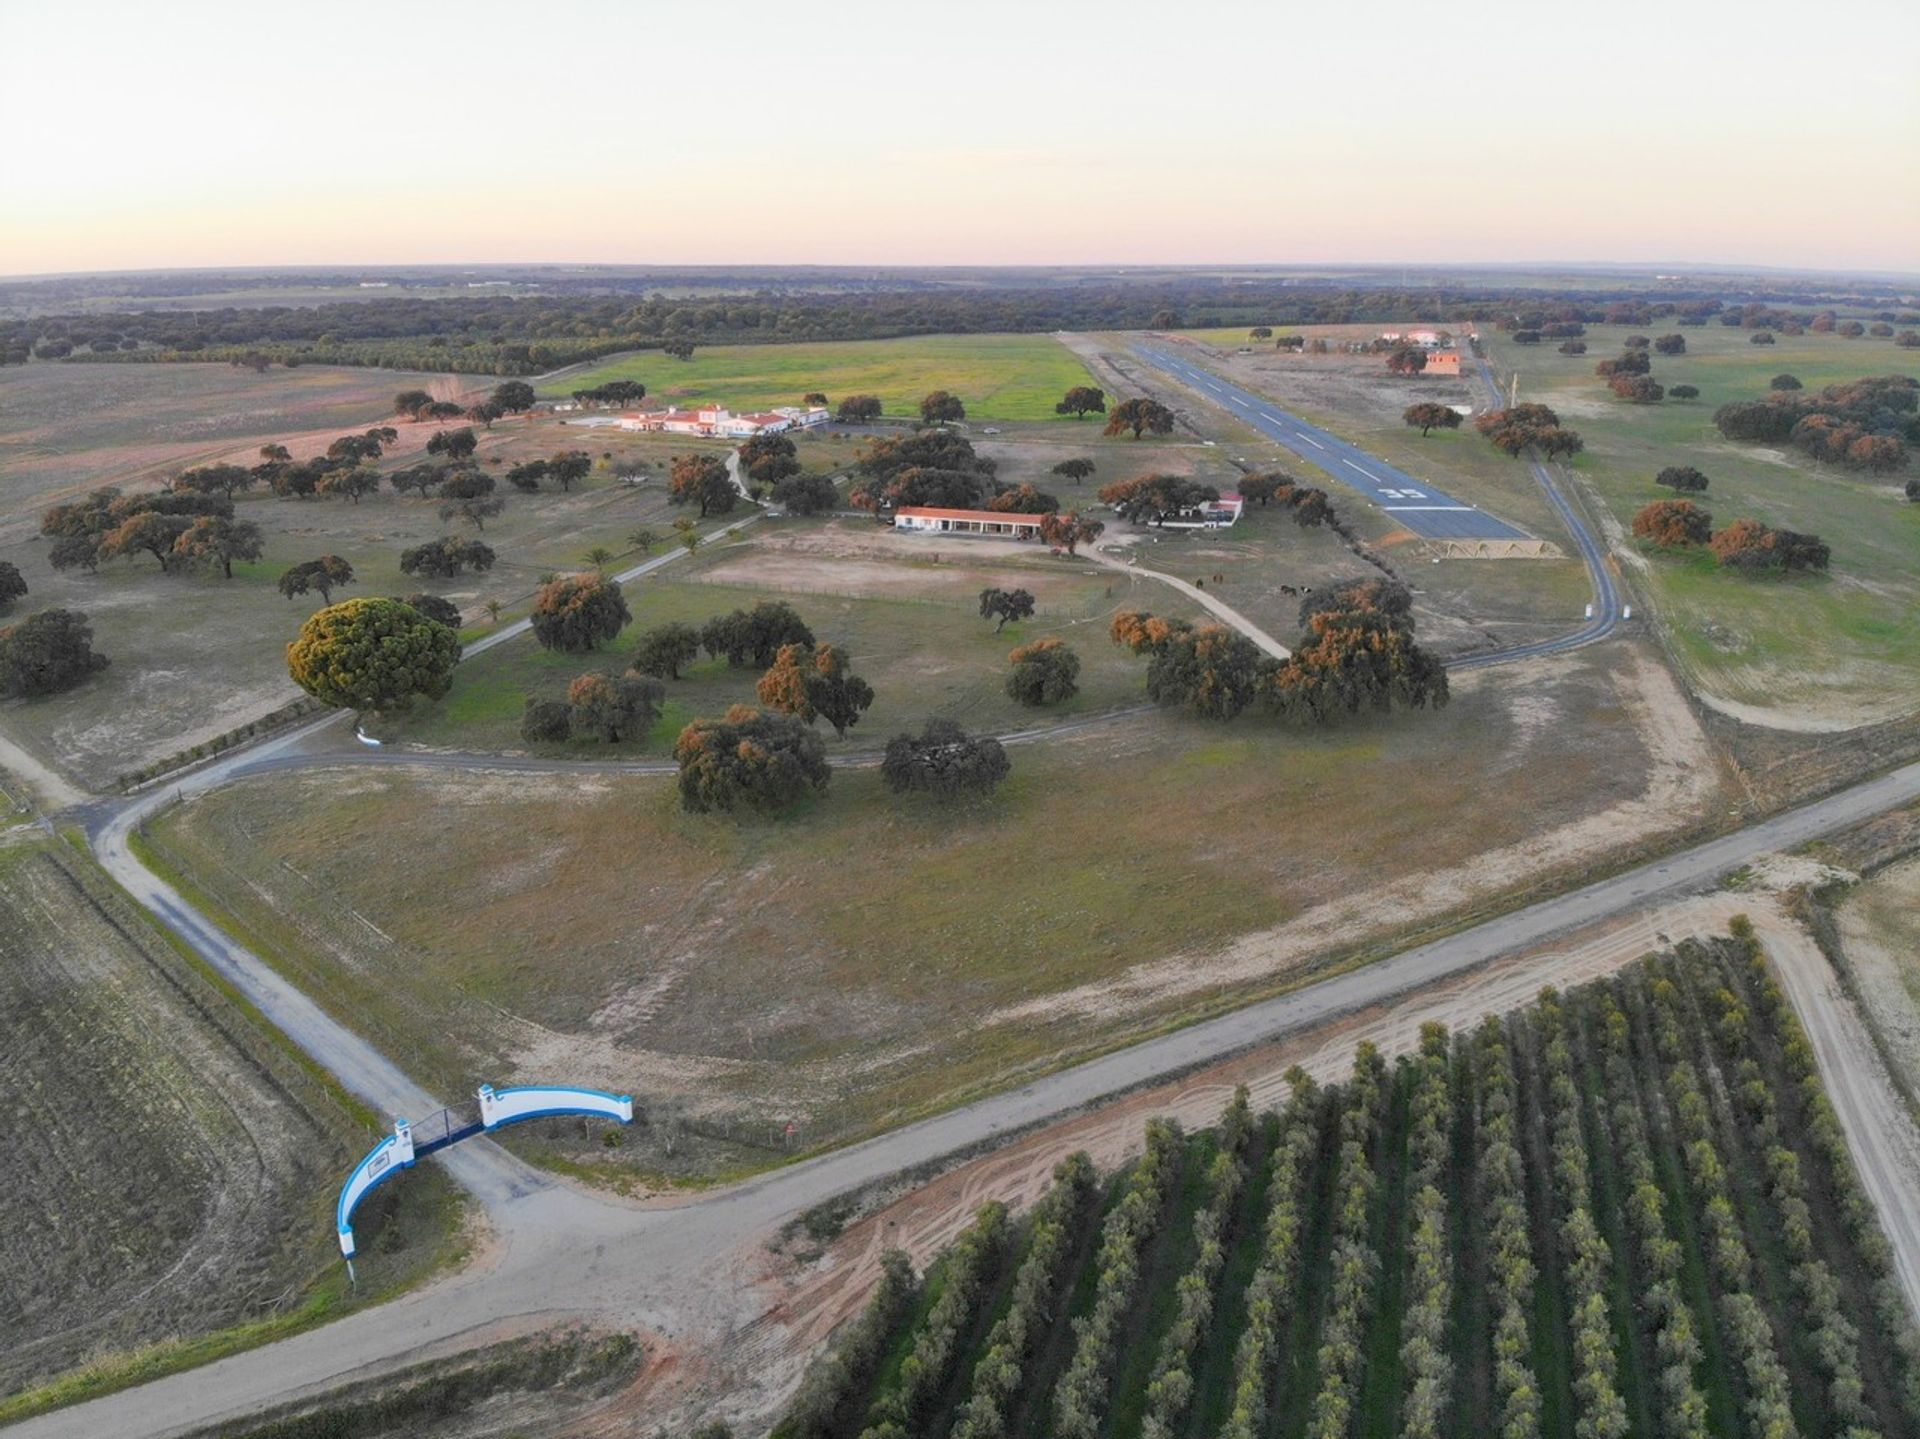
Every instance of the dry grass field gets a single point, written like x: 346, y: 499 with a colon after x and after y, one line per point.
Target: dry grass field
x: 172, y: 1167
x: 861, y: 960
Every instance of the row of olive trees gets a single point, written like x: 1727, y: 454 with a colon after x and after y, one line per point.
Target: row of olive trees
x: 902, y: 1410
x: 1831, y: 1336
x: 1429, y: 1287
x: 1510, y: 1268
x: 1588, y: 1259
x: 1656, y: 1255
x: 1170, y: 1389
x: 1743, y: 1320
x: 1353, y: 1264
x: 1814, y: 1112
x: 1000, y: 1376
x: 1080, y: 1398
x: 1258, y: 1353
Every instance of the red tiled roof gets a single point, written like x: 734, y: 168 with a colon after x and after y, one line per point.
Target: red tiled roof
x: 927, y: 512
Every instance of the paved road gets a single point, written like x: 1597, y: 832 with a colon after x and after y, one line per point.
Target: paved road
x: 682, y: 1269
x: 1418, y: 504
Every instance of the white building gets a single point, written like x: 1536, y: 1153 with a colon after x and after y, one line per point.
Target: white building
x: 711, y: 421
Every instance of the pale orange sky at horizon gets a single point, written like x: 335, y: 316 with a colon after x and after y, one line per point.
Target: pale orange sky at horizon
x: 208, y: 133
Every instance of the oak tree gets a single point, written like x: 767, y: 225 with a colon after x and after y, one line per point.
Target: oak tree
x: 611, y: 707
x: 943, y: 760
x: 1673, y: 524
x: 1043, y: 672
x: 1004, y: 605
x: 1140, y: 416
x: 326, y: 574
x: 665, y: 649
x: 577, y: 613
x: 940, y: 407
x: 1427, y: 416
x: 748, y: 758
x: 812, y: 684
x: 46, y: 653
x: 701, y: 480
x: 1081, y: 401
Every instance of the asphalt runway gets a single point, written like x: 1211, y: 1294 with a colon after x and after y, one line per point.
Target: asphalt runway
x: 1426, y: 510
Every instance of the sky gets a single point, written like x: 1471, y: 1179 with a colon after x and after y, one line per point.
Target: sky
x: 202, y: 133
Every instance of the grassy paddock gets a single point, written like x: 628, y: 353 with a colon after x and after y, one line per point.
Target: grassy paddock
x: 755, y: 966
x: 1829, y: 650
x: 1000, y: 377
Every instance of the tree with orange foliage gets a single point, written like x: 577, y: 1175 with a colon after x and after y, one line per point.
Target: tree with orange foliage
x: 1673, y: 524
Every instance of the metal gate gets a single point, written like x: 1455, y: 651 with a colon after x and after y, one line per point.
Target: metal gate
x: 449, y: 1126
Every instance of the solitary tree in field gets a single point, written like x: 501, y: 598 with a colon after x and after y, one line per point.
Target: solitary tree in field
x: 1683, y: 392
x: 493, y: 608
x: 756, y: 636
x: 12, y: 585
x: 512, y: 397
x: 686, y: 534
x: 1406, y: 360
x: 326, y: 574
x: 1681, y: 479
x: 701, y: 480
x: 812, y: 684
x: 569, y: 467
x: 372, y: 654
x: 1785, y: 382
x: 768, y: 459
x: 1671, y: 344
x: 943, y: 760
x: 644, y: 539
x: 814, y: 397
x: 858, y: 410
x: 1081, y: 401
x: 678, y: 349
x: 1573, y: 347
x: 598, y: 556
x: 1140, y: 415
x: 411, y: 403
x: 1640, y: 389
x: 1212, y: 672
x: 806, y: 494
x: 1753, y: 547
x: 1428, y: 416
x: 576, y: 613
x: 748, y: 759
x: 1075, y: 469
x: 1043, y: 672
x: 1260, y: 332
x: 46, y: 653
x: 940, y: 408
x: 665, y: 649
x: 1003, y: 605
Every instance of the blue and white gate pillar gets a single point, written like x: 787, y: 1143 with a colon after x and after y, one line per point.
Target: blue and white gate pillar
x: 383, y: 1161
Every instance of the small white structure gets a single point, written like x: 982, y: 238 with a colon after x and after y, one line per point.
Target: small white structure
x: 804, y: 417
x: 1217, y: 514
x: 930, y: 520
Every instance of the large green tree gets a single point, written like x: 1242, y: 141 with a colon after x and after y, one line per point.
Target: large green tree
x: 701, y: 480
x: 748, y: 759
x: 1044, y: 672
x: 941, y: 407
x: 612, y: 707
x: 665, y: 649
x: 1081, y: 401
x: 372, y: 654
x: 945, y: 761
x: 1211, y: 672
x: 754, y: 637
x: 812, y: 684
x: 446, y: 557
x: 577, y: 613
x: 1003, y: 605
x: 13, y: 585
x: 211, y: 540
x: 326, y: 574
x: 1140, y: 416
x: 1427, y: 416
x: 46, y: 653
